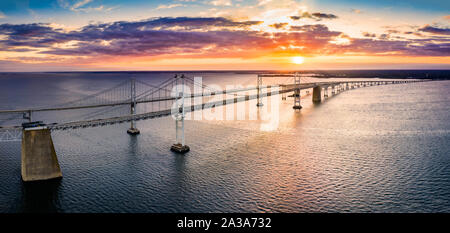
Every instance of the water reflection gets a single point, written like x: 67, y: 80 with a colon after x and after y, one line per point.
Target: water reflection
x: 41, y: 196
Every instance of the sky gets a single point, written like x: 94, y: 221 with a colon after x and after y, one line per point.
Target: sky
x: 101, y: 35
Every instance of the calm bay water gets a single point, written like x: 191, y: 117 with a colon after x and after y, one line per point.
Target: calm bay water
x: 373, y: 149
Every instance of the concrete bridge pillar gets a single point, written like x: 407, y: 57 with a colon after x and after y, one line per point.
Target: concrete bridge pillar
x: 317, y: 94
x: 332, y: 90
x: 326, y: 92
x: 39, y: 161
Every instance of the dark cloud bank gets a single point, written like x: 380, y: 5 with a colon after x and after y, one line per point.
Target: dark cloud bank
x: 316, y: 16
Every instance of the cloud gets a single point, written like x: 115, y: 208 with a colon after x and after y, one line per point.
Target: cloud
x: 200, y: 37
x: 263, y: 2
x: 316, y: 16
x: 79, y: 6
x: 150, y: 37
x: 185, y: 23
x: 33, y: 35
x: 393, y: 31
x: 368, y: 34
x: 324, y: 16
x: 318, y: 29
x: 221, y: 2
x: 357, y: 11
x: 435, y: 30
x: 384, y: 36
x: 2, y: 15
x: 169, y: 6
x: 279, y: 25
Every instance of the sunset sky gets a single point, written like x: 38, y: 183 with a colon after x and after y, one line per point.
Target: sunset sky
x: 65, y: 35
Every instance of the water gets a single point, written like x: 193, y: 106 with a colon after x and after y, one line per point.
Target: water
x: 373, y: 149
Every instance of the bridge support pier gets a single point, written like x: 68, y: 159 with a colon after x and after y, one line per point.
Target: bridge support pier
x: 325, y: 89
x: 39, y: 161
x: 179, y: 146
x: 317, y: 94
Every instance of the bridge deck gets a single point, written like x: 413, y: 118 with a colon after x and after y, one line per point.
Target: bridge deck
x: 283, y: 88
x: 302, y: 86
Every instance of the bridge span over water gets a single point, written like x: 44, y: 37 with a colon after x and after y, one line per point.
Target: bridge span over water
x: 171, y: 97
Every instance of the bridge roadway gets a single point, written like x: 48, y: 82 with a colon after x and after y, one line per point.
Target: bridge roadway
x: 283, y: 88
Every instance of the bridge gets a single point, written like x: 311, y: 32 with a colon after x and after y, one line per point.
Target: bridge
x: 171, y: 97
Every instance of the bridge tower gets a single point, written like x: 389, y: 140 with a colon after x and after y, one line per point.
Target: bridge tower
x: 258, y: 88
x: 180, y: 146
x: 133, y: 130
x: 27, y: 116
x: 297, y: 91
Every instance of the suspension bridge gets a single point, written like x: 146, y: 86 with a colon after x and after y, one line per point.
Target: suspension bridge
x: 119, y: 104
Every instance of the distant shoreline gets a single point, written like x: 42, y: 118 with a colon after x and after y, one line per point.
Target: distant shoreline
x: 391, y: 74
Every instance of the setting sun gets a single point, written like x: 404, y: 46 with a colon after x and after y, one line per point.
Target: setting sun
x: 298, y: 60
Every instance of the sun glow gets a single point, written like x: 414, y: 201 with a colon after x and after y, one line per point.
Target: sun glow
x: 298, y: 60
